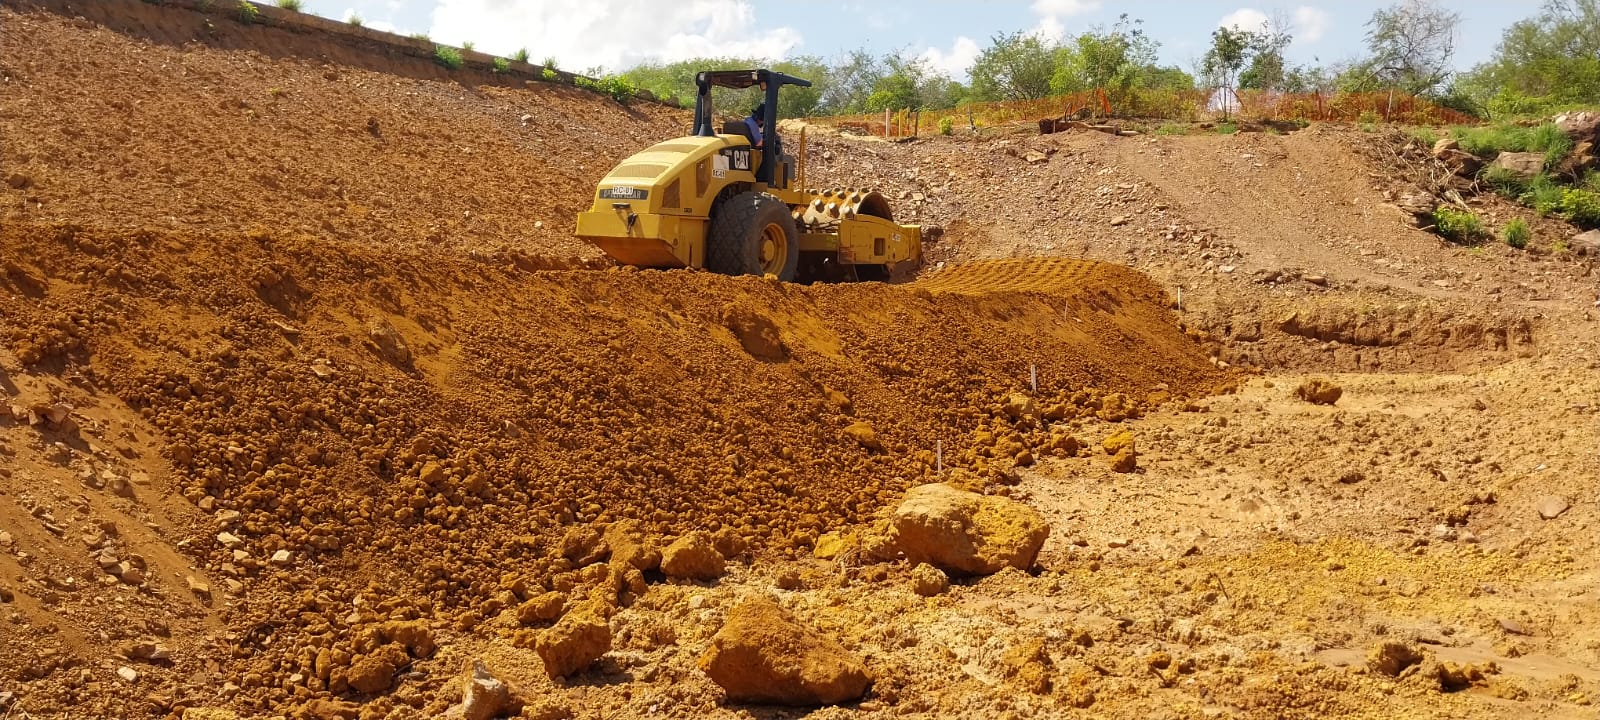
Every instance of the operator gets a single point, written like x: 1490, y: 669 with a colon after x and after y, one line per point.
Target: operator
x: 757, y: 116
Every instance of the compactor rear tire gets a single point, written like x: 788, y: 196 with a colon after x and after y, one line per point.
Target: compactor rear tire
x: 753, y: 233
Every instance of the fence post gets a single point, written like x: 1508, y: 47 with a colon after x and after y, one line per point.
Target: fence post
x: 886, y: 122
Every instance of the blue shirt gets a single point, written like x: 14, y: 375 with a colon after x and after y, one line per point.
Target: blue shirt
x: 755, y: 130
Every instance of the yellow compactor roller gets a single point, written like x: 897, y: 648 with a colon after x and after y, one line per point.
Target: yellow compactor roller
x: 716, y: 201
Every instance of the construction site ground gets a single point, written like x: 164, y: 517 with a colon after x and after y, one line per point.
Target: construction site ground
x: 300, y: 358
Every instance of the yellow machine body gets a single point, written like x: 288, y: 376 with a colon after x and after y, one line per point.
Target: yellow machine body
x: 655, y: 210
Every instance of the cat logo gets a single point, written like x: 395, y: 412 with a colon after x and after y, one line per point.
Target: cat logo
x: 738, y: 158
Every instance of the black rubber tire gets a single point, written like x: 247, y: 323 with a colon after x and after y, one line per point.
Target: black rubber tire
x: 733, y: 246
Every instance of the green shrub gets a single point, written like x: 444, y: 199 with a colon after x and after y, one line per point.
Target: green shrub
x: 501, y: 65
x: 248, y: 13
x: 1551, y: 141
x: 1367, y: 117
x: 521, y: 55
x: 1505, y: 182
x: 550, y: 74
x: 468, y: 45
x: 1591, y: 181
x: 1543, y: 195
x: 1489, y: 141
x: 1425, y: 135
x: 1517, y: 233
x: 616, y: 86
x: 289, y: 4
x: 946, y: 126
x: 1582, y: 207
x: 1457, y: 225
x: 1367, y: 127
x: 550, y: 62
x: 356, y: 20
x: 1172, y: 129
x: 421, y: 36
x: 1227, y: 128
x: 447, y: 56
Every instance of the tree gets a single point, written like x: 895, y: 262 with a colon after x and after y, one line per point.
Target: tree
x: 1554, y: 55
x: 1411, y: 45
x: 1267, y: 68
x: 1309, y: 79
x: 851, y: 81
x: 1230, y: 46
x: 910, y: 83
x: 1014, y: 67
x: 1113, y: 60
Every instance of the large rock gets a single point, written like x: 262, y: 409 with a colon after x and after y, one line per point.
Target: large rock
x: 966, y: 532
x: 1460, y: 162
x: 581, y: 638
x: 1525, y: 165
x: 693, y: 556
x: 1586, y: 243
x: 1319, y: 391
x: 1580, y: 125
x: 483, y: 696
x: 763, y: 655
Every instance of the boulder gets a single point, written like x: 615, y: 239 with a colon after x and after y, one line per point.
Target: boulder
x: 693, y: 556
x: 1392, y: 657
x: 928, y: 581
x: 863, y: 433
x: 1460, y: 162
x: 629, y: 545
x: 541, y: 608
x: 1579, y: 125
x: 1525, y: 165
x: 764, y: 655
x: 1444, y: 145
x: 966, y: 532
x: 1586, y: 243
x: 1318, y: 391
x: 1551, y: 507
x: 483, y: 695
x: 581, y: 638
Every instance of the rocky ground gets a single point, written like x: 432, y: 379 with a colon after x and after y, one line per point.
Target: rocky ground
x: 311, y: 411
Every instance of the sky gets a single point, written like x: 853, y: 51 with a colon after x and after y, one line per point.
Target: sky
x: 618, y: 34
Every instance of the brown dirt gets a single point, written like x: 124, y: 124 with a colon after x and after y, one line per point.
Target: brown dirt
x: 299, y: 419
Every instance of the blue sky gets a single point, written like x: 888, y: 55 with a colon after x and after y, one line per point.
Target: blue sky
x: 616, y: 34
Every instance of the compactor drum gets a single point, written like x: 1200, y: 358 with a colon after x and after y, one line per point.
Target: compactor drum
x: 715, y: 200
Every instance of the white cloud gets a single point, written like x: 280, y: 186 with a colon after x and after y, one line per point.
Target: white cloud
x: 1053, y: 13
x: 614, y: 34
x: 1311, y: 23
x: 956, y: 61
x: 1064, y: 8
x: 1247, y: 19
x: 369, y: 23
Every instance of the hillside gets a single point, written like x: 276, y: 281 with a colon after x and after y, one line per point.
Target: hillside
x: 313, y: 400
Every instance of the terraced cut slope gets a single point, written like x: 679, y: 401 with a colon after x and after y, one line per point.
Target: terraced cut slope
x: 312, y: 404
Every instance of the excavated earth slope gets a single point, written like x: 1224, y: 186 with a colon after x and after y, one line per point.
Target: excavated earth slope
x: 311, y: 399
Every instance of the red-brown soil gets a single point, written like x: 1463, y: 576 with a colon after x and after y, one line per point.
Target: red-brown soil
x: 301, y: 414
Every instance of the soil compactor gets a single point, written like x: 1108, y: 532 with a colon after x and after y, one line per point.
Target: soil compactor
x: 716, y: 201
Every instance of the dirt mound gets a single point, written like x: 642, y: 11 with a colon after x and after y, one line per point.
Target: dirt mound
x: 165, y: 118
x: 530, y: 402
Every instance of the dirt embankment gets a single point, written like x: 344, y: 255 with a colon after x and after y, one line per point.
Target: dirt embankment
x: 1287, y: 247
x: 132, y: 114
x: 350, y: 407
x: 299, y: 418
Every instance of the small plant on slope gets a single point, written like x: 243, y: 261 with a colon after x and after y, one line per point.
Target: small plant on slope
x: 447, y: 56
x: 1517, y: 234
x: 1457, y: 225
